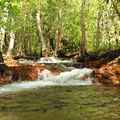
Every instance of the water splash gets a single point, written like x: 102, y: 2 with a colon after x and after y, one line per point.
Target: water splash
x: 45, y: 60
x: 52, y: 60
x: 22, y: 60
x: 74, y: 77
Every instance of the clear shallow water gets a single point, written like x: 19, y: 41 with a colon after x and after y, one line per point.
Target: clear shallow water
x: 94, y: 102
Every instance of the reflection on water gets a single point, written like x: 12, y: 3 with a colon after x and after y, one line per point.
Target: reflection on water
x: 62, y: 103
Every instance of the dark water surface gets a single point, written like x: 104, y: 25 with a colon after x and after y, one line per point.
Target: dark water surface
x: 95, y: 102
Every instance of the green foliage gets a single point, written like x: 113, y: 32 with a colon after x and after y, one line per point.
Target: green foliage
x: 24, y: 14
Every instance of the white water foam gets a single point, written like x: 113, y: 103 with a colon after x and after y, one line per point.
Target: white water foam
x: 45, y: 60
x: 52, y: 60
x: 22, y: 60
x: 74, y: 78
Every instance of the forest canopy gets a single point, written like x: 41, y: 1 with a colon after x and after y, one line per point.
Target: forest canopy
x: 51, y: 26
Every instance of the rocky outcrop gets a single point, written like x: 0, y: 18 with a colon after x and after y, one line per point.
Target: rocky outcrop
x: 96, y: 60
x: 90, y: 64
x: 109, y: 73
x: 22, y: 72
x: 16, y: 72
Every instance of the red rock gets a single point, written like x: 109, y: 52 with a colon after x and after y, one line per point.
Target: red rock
x: 23, y: 72
x: 99, y: 76
x: 4, y: 80
x: 41, y: 68
x: 101, y: 71
x: 55, y: 71
x: 109, y: 73
x: 12, y: 63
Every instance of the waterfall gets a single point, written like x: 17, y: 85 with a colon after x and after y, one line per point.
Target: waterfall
x: 45, y: 60
x: 70, y: 77
x: 74, y: 78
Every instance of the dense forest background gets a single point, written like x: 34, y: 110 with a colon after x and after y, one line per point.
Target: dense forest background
x: 50, y: 27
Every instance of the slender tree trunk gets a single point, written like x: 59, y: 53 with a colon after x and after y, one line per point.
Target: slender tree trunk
x: 11, y: 45
x: 12, y: 41
x: 83, y: 50
x: 44, y: 47
x: 98, y: 34
x: 2, y: 65
x: 2, y: 37
x: 2, y: 29
x: 51, y: 44
x: 50, y: 40
x: 108, y: 6
x: 59, y: 33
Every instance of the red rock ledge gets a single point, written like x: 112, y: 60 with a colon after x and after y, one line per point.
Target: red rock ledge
x: 16, y: 72
x: 109, y: 73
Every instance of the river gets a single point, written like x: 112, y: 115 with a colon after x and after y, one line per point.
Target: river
x: 62, y: 97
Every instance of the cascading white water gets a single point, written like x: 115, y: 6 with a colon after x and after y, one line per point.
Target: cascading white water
x: 52, y: 60
x: 45, y: 60
x: 72, y: 76
x: 22, y: 60
x: 75, y: 77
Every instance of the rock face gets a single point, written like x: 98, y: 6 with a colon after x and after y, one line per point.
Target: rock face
x: 109, y: 73
x: 15, y: 72
x: 22, y: 72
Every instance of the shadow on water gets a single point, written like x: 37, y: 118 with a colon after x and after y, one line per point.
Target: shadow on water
x: 94, y: 102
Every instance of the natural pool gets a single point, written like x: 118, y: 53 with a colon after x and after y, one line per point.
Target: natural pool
x: 95, y: 102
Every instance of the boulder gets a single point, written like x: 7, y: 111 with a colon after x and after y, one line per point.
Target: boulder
x: 109, y: 73
x: 16, y: 72
x: 22, y: 72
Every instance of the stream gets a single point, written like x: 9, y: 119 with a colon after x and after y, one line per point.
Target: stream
x: 68, y: 96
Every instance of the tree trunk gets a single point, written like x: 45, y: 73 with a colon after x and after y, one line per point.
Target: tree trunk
x: 98, y: 34
x: 59, y: 35
x: 44, y: 47
x: 2, y: 65
x: 83, y: 50
x: 50, y: 42
x: 2, y: 37
x: 108, y: 6
x: 11, y: 45
x: 3, y: 27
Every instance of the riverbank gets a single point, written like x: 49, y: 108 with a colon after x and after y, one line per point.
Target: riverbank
x: 106, y: 70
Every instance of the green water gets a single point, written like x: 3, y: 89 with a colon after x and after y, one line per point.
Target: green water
x: 62, y: 103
